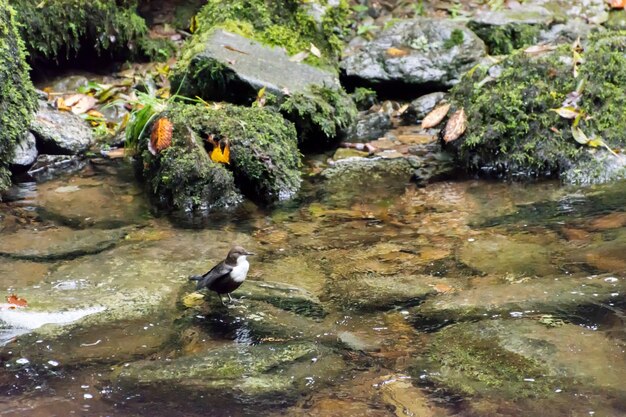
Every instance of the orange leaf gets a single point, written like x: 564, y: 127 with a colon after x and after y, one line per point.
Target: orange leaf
x: 397, y: 52
x: 221, y: 150
x: 161, y: 136
x: 617, y: 4
x: 60, y: 104
x: 435, y: 117
x: 13, y: 299
x: 456, y: 126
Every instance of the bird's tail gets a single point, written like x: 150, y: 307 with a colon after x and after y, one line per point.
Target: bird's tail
x: 195, y: 277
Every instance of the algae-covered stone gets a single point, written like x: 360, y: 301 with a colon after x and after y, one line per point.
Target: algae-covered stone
x: 17, y: 95
x: 220, y: 65
x: 527, y: 367
x: 417, y: 53
x: 286, y: 297
x: 505, y: 30
x: 57, y: 29
x: 278, y: 369
x: 264, y: 159
x: 512, y: 130
x: 562, y: 295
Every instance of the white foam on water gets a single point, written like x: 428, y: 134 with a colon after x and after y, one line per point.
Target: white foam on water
x: 31, y: 320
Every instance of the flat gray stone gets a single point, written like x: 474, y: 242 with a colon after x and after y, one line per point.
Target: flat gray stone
x: 61, y: 132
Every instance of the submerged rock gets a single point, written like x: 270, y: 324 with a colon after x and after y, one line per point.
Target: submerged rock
x: 56, y: 244
x: 61, y: 132
x: 286, y: 297
x: 263, y: 164
x: 526, y: 367
x: 421, y: 53
x: 47, y: 167
x: 561, y: 295
x: 17, y: 95
x: 513, y: 130
x: 265, y: 372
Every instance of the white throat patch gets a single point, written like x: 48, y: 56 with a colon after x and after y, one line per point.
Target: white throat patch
x: 240, y: 270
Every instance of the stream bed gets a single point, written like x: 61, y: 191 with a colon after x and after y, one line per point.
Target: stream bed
x: 369, y: 298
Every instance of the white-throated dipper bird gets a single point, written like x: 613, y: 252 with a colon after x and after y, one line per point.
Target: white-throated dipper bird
x: 226, y: 276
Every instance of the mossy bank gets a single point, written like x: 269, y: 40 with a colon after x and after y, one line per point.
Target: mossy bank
x: 17, y: 95
x: 264, y: 159
x: 513, y: 130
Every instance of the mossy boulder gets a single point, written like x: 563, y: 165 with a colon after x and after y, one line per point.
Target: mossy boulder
x: 504, y: 31
x: 17, y: 95
x: 57, y: 30
x: 264, y: 159
x: 225, y: 66
x: 512, y: 130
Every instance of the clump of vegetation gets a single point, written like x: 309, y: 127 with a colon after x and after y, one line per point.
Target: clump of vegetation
x: 17, y: 95
x: 319, y: 114
x: 364, y: 98
x: 504, y: 39
x: 456, y: 38
x: 58, y: 29
x: 257, y: 155
x: 513, y: 129
x: 290, y: 24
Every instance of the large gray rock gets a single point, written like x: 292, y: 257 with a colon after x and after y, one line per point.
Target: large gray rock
x: 417, y: 52
x: 241, y: 67
x: 60, y: 132
x: 25, y: 152
x: 421, y: 106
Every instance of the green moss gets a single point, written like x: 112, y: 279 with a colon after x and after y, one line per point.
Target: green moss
x: 289, y: 24
x: 476, y: 364
x: 264, y: 159
x: 511, y: 129
x: 57, y: 29
x: 505, y: 39
x: 17, y: 95
x: 320, y: 114
x: 456, y: 38
x: 364, y: 98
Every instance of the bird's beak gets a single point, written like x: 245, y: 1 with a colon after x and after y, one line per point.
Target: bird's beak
x: 250, y: 253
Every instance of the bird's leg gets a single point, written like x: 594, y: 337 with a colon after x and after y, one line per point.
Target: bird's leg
x: 230, y: 298
x: 233, y: 300
x: 221, y: 299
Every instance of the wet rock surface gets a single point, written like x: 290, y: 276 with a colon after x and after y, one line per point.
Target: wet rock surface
x: 416, y: 53
x: 60, y: 132
x: 25, y: 152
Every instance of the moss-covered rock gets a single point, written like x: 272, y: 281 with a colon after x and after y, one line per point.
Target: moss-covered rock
x: 17, y: 95
x: 512, y: 130
x: 264, y: 159
x: 504, y: 31
x: 58, y: 29
x: 292, y: 25
x: 310, y: 97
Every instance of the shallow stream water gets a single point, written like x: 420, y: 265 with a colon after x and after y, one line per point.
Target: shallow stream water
x: 416, y: 286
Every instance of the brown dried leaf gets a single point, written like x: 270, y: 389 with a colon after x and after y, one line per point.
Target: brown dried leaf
x: 456, y: 126
x: 59, y: 103
x: 14, y: 300
x: 435, y: 117
x: 539, y: 49
x: 161, y: 135
x: 84, y: 104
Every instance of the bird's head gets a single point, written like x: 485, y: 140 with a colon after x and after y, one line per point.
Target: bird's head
x: 237, y: 252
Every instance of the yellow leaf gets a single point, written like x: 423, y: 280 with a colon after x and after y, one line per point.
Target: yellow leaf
x: 60, y: 105
x: 315, y: 51
x: 221, y: 150
x: 567, y: 112
x: 579, y: 136
x: 193, y: 300
x: 435, y: 117
x: 594, y: 143
x: 193, y: 25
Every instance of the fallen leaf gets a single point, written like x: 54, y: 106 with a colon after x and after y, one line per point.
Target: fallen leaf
x: 193, y: 300
x: 299, y: 57
x: 617, y: 4
x: 116, y: 153
x: 16, y: 301
x: 59, y: 103
x: 435, y: 117
x: 456, y: 126
x: 397, y: 52
x: 96, y: 114
x: 579, y: 135
x: 84, y: 104
x: 193, y: 24
x: 161, y: 135
x: 568, y: 112
x: 594, y: 143
x: 232, y: 48
x: 539, y: 49
x: 443, y: 288
x: 402, y: 109
x: 221, y: 150
x: 315, y: 51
